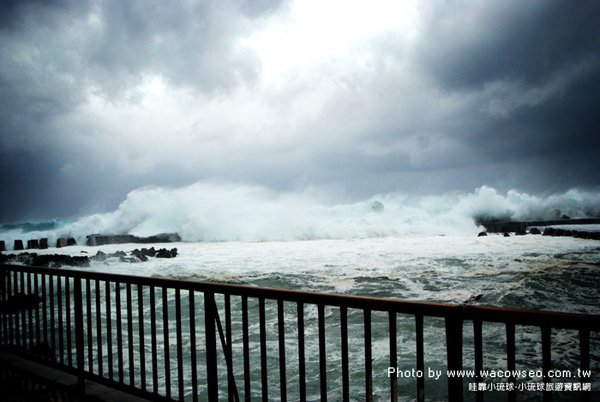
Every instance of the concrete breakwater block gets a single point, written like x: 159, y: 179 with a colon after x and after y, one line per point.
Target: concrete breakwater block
x: 64, y: 242
x: 18, y: 245
x: 33, y: 244
x: 2, y: 245
x: 44, y: 243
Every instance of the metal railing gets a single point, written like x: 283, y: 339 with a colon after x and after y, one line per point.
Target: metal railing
x: 166, y: 339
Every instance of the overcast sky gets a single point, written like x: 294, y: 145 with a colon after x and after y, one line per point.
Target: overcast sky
x: 356, y: 98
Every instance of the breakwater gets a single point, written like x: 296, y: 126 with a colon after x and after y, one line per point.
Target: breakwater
x: 521, y: 226
x: 92, y: 240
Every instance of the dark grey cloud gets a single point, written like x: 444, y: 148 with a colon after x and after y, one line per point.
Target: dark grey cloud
x: 100, y: 98
x: 467, y: 45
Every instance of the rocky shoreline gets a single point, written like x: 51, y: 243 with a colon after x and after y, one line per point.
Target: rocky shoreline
x: 61, y: 260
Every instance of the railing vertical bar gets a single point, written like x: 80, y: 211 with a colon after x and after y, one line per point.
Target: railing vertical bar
x: 584, y: 358
x: 392, y: 325
x: 120, y: 362
x: 130, y: 336
x: 230, y: 378
x: 17, y: 323
x: 246, y: 348
x: 478, y: 346
x: 23, y: 315
x: 211, y: 347
x: 546, y: 359
x: 420, y: 357
x: 3, y: 289
x: 36, y: 289
x: 301, y: 353
x: 368, y: 357
x: 17, y: 331
x: 52, y: 320
x: 322, y: 352
x: 109, y: 332
x: 3, y: 315
x: 345, y: 360
x: 263, y: 349
x: 282, y: 363
x: 179, y: 344
x: 79, y: 347
x: 166, y: 351
x: 8, y: 317
x: 59, y: 295
x: 45, y: 309
x: 454, y: 345
x: 68, y: 317
x: 153, y: 340
x: 30, y: 312
x: 99, y: 328
x: 193, y: 363
x: 90, y: 339
x: 9, y: 293
x: 511, y: 362
x: 140, y: 297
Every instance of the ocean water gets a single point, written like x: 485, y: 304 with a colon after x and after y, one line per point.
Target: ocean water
x: 390, y: 246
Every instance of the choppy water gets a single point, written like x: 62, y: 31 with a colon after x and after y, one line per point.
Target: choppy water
x: 534, y: 272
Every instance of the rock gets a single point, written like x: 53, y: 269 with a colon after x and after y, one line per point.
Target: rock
x: 163, y: 253
x: 534, y: 231
x: 100, y: 256
x: 148, y: 252
x: 506, y: 234
x: 473, y: 299
x: 549, y: 232
x: 18, y: 245
x: 61, y: 242
x: 43, y: 243
x: 58, y: 260
x: 377, y: 206
x: 2, y: 245
x: 50, y: 260
x: 520, y: 232
x: 137, y: 253
x: 482, y: 234
x: 118, y: 254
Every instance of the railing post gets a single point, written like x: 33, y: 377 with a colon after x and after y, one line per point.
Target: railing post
x: 211, y: 346
x: 454, y: 345
x: 79, y: 347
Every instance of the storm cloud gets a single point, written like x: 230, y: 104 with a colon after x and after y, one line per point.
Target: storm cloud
x: 102, y: 97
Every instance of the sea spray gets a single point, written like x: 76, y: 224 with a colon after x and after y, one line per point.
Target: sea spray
x: 206, y: 211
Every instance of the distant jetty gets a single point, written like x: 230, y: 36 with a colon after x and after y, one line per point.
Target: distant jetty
x: 100, y: 239
x: 521, y: 226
